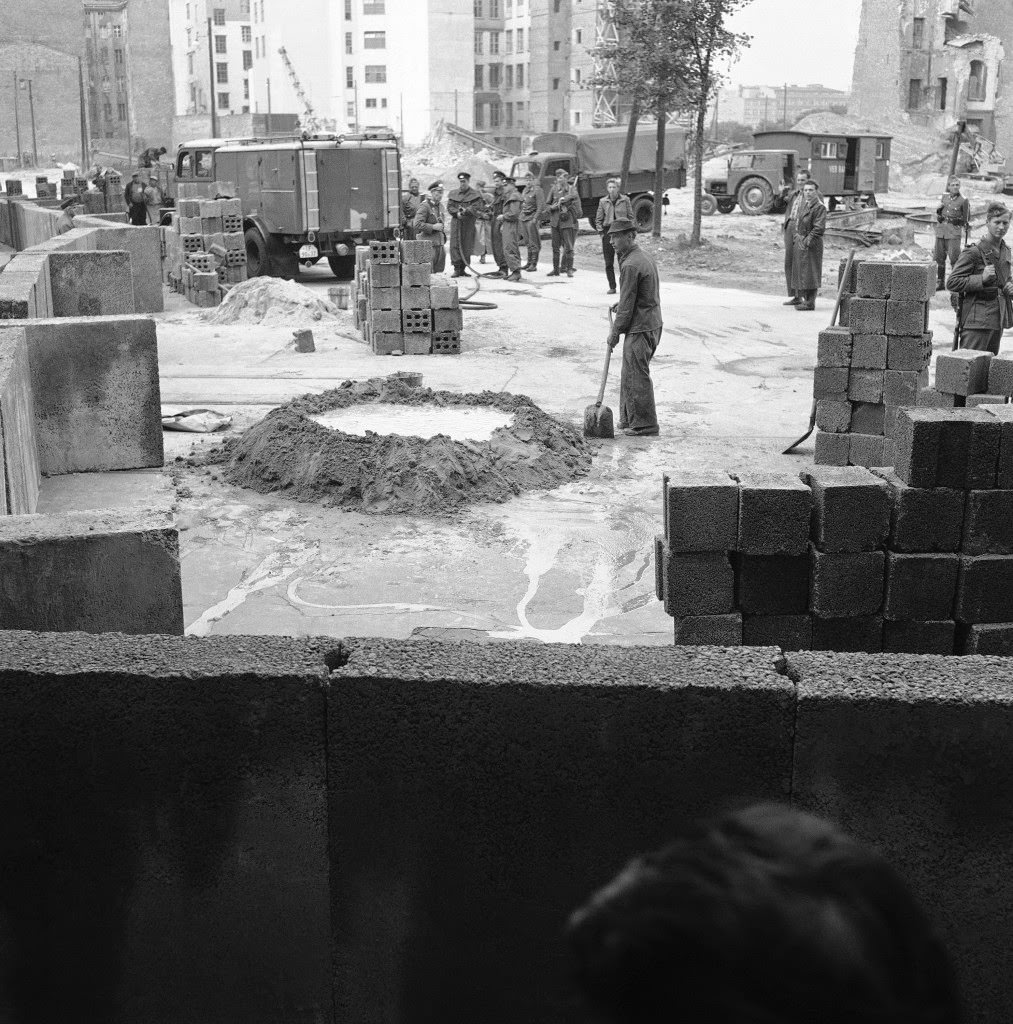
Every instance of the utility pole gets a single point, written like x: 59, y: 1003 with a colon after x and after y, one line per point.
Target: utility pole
x: 269, y: 106
x: 17, y: 121
x: 84, y: 118
x: 785, y: 105
x: 211, y: 81
x: 455, y: 108
x: 31, y: 110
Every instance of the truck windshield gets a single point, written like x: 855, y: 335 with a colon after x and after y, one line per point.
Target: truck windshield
x: 522, y: 167
x: 741, y: 162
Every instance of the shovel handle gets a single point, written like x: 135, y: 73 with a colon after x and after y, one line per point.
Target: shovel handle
x: 844, y: 284
x: 605, y: 375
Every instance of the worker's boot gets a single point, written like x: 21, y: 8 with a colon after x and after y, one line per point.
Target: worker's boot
x: 515, y: 276
x: 793, y: 301
x: 554, y: 272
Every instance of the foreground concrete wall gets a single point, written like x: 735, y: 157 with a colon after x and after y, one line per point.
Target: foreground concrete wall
x: 95, y: 571
x: 181, y: 813
x: 91, y: 283
x: 165, y: 838
x: 19, y: 463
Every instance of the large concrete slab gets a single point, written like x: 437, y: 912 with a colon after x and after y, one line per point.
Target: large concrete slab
x: 19, y: 478
x: 112, y: 570
x: 911, y: 754
x: 96, y: 387
x: 165, y: 831
x: 145, y: 248
x: 479, y: 793
x: 91, y: 283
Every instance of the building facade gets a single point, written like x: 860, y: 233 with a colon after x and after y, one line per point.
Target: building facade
x: 937, y: 61
x: 754, y: 105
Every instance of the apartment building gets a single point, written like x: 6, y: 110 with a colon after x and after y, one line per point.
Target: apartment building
x: 754, y: 105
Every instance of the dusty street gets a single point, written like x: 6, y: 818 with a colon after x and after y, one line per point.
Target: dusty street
x: 733, y: 383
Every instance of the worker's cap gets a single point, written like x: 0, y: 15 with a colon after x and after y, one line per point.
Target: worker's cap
x: 464, y: 175
x: 508, y: 179
x: 561, y: 172
x: 500, y: 175
x: 621, y: 224
x: 436, y: 185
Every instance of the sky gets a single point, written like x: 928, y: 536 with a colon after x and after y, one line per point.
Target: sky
x: 797, y: 41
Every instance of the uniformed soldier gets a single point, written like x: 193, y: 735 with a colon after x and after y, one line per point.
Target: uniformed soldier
x: 564, y: 215
x: 510, y: 221
x: 465, y: 205
x: 410, y: 202
x: 496, y: 225
x: 532, y: 214
x: 428, y: 223
x: 953, y: 215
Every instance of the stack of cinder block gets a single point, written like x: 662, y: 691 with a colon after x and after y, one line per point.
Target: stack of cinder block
x: 13, y: 187
x: 875, y: 363
x: 114, y: 191
x: 967, y: 379
x: 206, y: 249
x: 43, y: 188
x: 400, y: 307
x: 916, y: 560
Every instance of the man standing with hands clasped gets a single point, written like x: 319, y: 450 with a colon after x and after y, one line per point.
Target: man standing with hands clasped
x: 638, y: 316
x: 613, y: 206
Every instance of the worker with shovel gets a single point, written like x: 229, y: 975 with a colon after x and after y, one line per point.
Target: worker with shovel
x: 638, y: 316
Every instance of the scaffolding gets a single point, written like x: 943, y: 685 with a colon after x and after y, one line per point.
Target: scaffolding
x: 606, y: 90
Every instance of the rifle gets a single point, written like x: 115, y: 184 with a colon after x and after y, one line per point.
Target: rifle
x: 956, y: 326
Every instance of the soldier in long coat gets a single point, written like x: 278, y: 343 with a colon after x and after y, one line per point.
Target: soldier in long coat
x: 496, y: 225
x: 465, y: 205
x: 429, y: 224
x: 788, y: 232
x: 410, y: 202
x: 807, y: 247
x: 510, y: 228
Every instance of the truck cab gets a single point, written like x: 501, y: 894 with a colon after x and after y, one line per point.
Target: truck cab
x: 757, y: 180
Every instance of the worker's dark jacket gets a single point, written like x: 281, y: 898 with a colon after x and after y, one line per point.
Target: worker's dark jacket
x: 133, y: 194
x: 511, y: 205
x: 952, y: 214
x: 807, y: 252
x: 639, y: 294
x: 608, y: 211
x: 789, y: 207
x: 532, y: 204
x: 983, y: 307
x: 465, y: 202
x: 410, y: 204
x: 428, y: 222
x: 564, y: 206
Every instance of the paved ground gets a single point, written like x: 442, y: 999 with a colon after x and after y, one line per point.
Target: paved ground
x: 733, y: 382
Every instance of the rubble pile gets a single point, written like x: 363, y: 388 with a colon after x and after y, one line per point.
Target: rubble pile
x: 272, y: 301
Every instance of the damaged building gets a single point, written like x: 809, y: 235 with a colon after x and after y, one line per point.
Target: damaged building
x: 938, y: 61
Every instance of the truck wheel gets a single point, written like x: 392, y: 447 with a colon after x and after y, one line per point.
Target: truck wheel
x: 726, y: 205
x: 708, y: 205
x: 643, y: 213
x: 342, y: 267
x: 258, y: 260
x: 756, y: 196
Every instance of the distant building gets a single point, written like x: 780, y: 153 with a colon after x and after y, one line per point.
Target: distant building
x: 938, y: 61
x: 754, y: 105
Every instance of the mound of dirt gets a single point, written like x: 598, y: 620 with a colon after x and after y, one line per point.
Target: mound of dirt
x: 290, y: 453
x: 271, y: 301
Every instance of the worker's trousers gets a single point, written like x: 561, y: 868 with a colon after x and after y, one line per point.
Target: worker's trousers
x: 945, y: 248
x: 533, y: 241
x: 462, y: 242
x: 789, y: 255
x: 511, y: 246
x: 439, y: 253
x: 609, y: 253
x: 981, y: 340
x: 562, y: 248
x: 636, y: 391
x: 497, y: 244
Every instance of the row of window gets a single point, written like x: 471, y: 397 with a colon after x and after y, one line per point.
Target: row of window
x: 494, y: 41
x: 514, y: 79
x: 491, y: 115
x: 375, y: 74
x: 494, y: 7
x: 368, y: 7
x: 977, y: 89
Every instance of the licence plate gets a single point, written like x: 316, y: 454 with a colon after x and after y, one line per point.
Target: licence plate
x: 308, y: 252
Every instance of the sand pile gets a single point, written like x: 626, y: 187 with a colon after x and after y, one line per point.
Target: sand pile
x: 442, y: 156
x: 288, y: 452
x: 272, y: 301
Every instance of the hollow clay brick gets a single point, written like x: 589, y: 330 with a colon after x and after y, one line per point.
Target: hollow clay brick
x: 833, y: 347
x: 868, y: 351
x: 868, y: 316
x: 830, y: 382
x: 920, y: 586
x: 917, y: 440
x: 709, y: 630
x: 702, y: 511
x: 913, y: 281
x: 870, y: 450
x: 772, y: 584
x: 932, y: 637
x: 833, y: 417
x: 984, y: 589
x: 866, y: 386
x: 855, y: 633
x: 924, y: 519
x: 789, y: 632
x: 867, y: 418
x: 963, y: 372
x: 774, y: 511
x: 873, y: 279
x: 698, y: 583
x: 832, y: 449
x: 908, y: 352
x: 904, y: 316
x: 1000, y: 375
x: 844, y: 584
x: 988, y: 523
x: 851, y: 508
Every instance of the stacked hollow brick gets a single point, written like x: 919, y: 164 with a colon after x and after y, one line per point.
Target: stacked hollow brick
x: 916, y: 560
x: 874, y: 364
x: 206, y: 249
x: 400, y: 307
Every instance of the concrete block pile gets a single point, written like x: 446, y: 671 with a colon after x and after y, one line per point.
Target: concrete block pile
x: 205, y: 249
x: 875, y: 363
x: 967, y: 379
x: 917, y: 559
x: 400, y: 306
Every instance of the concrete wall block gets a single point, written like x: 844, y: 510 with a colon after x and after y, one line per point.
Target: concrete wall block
x: 909, y: 352
x: 852, y: 283
x: 869, y: 450
x: 873, y: 279
x: 659, y: 567
x: 830, y: 382
x: 911, y: 637
x: 416, y: 275
x: 868, y: 316
x: 1003, y: 414
x: 963, y: 372
x: 906, y: 317
x: 701, y: 511
x: 890, y: 420
x: 930, y: 398
x: 916, y: 281
x: 385, y: 298
x: 19, y: 460
x: 857, y: 633
x: 774, y: 511
x: 989, y: 639
x: 833, y: 347
x: 96, y: 390
x: 384, y: 275
x: 772, y: 584
x: 869, y: 351
x: 974, y: 401
x: 969, y: 442
x: 901, y: 387
x: 846, y: 584
x: 832, y: 449
x: 415, y: 298
x: 698, y: 583
x: 463, y: 769
x: 923, y: 518
x: 709, y: 630
x: 984, y: 589
x: 833, y: 417
x: 920, y: 587
x: 912, y: 754
x: 385, y: 343
x: 866, y: 386
x: 851, y: 508
x: 788, y: 632
x: 868, y: 418
x: 447, y: 320
x: 1000, y: 375
x: 917, y: 440
x: 95, y: 572
x: 988, y: 523
x: 145, y: 248
x: 444, y: 296
x: 91, y: 283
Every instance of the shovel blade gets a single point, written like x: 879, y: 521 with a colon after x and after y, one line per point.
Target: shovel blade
x: 598, y: 421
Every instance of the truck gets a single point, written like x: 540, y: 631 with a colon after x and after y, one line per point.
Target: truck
x: 593, y: 156
x: 849, y: 169
x: 305, y: 197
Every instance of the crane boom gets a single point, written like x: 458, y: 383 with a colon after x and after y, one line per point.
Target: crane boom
x: 310, y: 118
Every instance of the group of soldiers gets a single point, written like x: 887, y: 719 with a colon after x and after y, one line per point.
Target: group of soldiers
x: 499, y: 221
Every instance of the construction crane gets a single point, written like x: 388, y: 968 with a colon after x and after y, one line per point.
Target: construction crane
x: 606, y: 93
x: 310, y: 121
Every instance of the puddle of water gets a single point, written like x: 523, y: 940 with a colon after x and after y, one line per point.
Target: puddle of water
x: 425, y: 421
